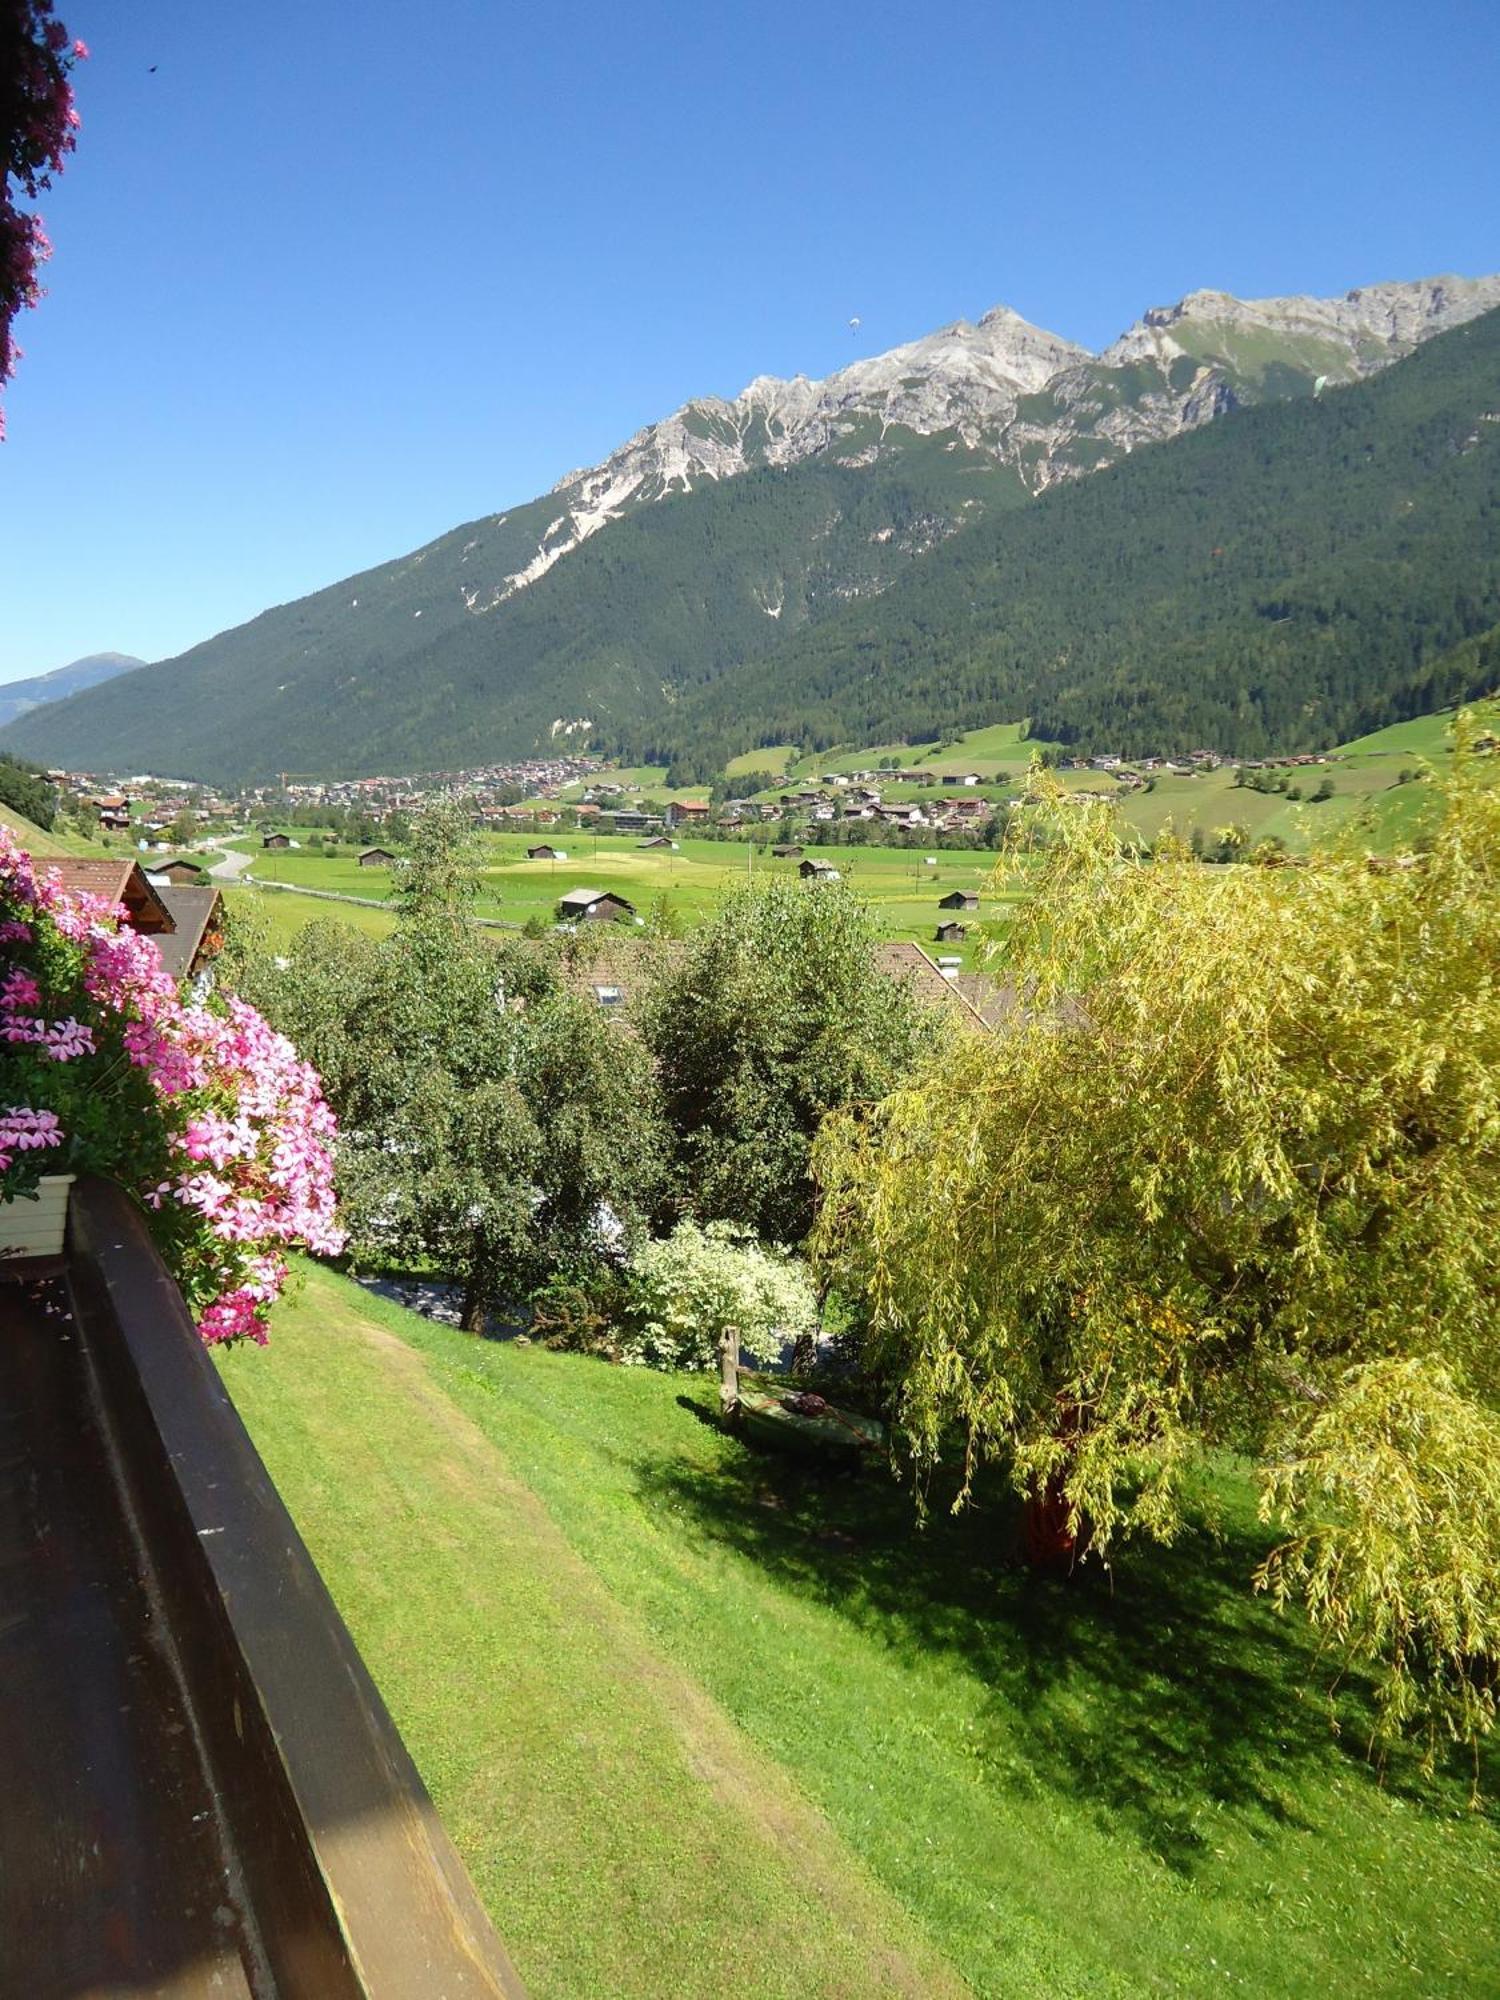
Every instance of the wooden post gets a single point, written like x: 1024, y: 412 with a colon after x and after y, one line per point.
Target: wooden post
x: 729, y: 1369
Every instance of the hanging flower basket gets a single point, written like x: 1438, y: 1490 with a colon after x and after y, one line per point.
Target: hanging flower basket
x: 35, y: 1228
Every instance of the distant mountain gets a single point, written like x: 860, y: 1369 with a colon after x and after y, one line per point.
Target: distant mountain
x: 1284, y: 580
x: 631, y: 604
x: 19, y: 697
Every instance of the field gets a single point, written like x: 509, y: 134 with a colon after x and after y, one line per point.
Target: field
x: 901, y: 890
x: 702, y: 1722
x: 1382, y: 793
x: 277, y: 915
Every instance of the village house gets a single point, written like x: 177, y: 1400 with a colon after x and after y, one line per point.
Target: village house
x: 276, y: 842
x: 179, y: 873
x: 818, y: 871
x: 376, y: 857
x: 190, y: 948
x: 594, y: 906
x: 951, y: 933
x: 687, y: 812
x: 545, y: 853
x: 659, y: 840
x: 113, y: 809
x: 959, y: 899
x: 787, y: 850
x: 118, y: 881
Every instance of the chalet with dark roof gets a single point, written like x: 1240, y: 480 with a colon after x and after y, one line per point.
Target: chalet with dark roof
x: 594, y: 906
x: 124, y: 882
x: 188, y: 950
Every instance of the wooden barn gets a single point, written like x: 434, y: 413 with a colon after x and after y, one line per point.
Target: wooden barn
x: 180, y: 873
x: 594, y: 906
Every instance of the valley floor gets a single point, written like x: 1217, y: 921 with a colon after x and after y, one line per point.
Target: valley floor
x: 703, y: 1722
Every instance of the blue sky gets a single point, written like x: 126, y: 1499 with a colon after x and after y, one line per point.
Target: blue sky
x: 336, y: 278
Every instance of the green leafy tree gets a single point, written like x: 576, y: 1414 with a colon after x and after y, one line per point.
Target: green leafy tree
x: 762, y: 1021
x: 1233, y: 1177
x: 25, y: 788
x: 437, y: 881
x: 494, y: 1125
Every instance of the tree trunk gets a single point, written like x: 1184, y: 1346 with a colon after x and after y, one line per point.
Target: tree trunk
x: 1051, y: 1544
x: 478, y: 1286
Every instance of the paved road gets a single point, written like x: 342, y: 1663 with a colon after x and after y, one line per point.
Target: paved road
x: 232, y: 867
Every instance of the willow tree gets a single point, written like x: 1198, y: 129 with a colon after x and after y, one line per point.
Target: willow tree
x: 1231, y: 1177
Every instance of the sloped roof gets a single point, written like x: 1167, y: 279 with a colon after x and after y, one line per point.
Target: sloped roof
x: 193, y: 911
x: 120, y: 880
x: 900, y: 959
x: 580, y: 899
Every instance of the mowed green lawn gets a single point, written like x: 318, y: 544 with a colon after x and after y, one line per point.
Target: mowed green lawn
x: 901, y: 890
x: 702, y: 1721
x: 279, y: 915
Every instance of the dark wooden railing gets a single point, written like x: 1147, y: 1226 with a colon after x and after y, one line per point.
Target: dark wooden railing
x: 202, y: 1789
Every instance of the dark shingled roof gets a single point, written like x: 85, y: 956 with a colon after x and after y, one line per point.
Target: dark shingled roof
x: 193, y: 911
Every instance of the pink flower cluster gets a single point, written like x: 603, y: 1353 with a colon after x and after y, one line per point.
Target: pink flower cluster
x: 59, y: 1041
x: 25, y: 1131
x: 237, y: 1113
x: 36, y: 56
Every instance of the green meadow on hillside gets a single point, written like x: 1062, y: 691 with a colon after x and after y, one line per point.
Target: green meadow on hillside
x: 702, y: 1720
x: 901, y: 890
x: 36, y: 841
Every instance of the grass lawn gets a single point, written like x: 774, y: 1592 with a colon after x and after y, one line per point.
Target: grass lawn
x: 279, y: 915
x: 35, y: 841
x: 704, y: 1722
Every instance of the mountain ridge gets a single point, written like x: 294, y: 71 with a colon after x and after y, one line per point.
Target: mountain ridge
x: 18, y: 698
x: 717, y: 538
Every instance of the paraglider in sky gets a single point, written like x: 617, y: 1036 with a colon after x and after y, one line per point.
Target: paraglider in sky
x: 854, y: 324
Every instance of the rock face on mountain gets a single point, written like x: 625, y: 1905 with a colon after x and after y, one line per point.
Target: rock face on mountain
x: 712, y: 539
x: 1028, y: 398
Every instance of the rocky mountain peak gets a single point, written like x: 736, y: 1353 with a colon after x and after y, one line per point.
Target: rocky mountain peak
x: 967, y: 382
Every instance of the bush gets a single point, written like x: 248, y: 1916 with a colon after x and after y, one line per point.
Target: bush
x: 582, y: 1311
x: 689, y: 1288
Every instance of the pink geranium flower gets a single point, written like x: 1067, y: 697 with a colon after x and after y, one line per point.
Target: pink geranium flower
x: 214, y: 1089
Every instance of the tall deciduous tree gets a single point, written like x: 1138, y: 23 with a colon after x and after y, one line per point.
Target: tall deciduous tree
x: 1235, y: 1177
x: 762, y: 1021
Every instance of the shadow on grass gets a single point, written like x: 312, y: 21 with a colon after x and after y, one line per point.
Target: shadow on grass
x: 1158, y: 1695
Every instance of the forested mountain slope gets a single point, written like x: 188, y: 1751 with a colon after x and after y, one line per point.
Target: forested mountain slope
x: 1288, y: 578
x: 674, y: 594
x: 818, y: 560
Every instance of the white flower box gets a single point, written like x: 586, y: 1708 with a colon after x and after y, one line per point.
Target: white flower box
x: 35, y: 1228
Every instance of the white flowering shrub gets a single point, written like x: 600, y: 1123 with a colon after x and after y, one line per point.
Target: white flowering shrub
x: 689, y: 1287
